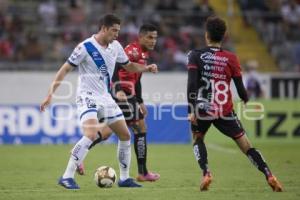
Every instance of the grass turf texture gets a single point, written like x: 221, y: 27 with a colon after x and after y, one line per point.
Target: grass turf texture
x: 31, y: 172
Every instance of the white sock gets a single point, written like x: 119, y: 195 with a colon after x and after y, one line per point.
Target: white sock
x: 78, y: 154
x: 124, y: 156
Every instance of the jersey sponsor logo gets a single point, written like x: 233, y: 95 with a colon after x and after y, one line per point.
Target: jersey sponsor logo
x: 206, y: 67
x: 213, y: 68
x: 210, y: 56
x: 96, y: 56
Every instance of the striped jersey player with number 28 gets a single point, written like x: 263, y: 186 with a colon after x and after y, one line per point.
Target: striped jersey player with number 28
x: 210, y: 71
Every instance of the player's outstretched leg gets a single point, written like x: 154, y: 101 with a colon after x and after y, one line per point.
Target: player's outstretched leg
x: 101, y: 136
x: 140, y: 147
x: 258, y: 161
x: 78, y: 154
x: 124, y: 153
x: 200, y: 153
x: 80, y: 167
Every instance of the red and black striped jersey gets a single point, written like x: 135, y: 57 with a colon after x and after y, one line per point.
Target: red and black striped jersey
x: 129, y: 80
x: 210, y: 72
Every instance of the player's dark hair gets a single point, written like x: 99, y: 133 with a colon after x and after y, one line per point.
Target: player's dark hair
x: 147, y: 28
x: 216, y: 28
x: 109, y: 20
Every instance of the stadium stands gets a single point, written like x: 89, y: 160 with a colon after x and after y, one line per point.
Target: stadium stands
x: 52, y: 28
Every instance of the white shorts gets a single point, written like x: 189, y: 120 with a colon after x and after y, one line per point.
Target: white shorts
x: 102, y: 108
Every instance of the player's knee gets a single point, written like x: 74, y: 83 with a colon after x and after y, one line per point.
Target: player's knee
x: 142, y: 127
x: 124, y: 136
x: 105, y: 137
x: 91, y: 134
x: 244, y: 143
x: 198, y: 136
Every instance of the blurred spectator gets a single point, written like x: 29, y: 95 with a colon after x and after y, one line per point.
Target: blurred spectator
x: 4, y: 4
x: 252, y: 9
x: 62, y: 47
x: 2, y: 24
x: 201, y: 11
x: 253, y: 85
x: 179, y: 29
x: 129, y: 30
x: 32, y: 49
x: 180, y: 58
x: 77, y: 15
x: 14, y: 24
x: 291, y: 15
x: 167, y: 5
x: 296, y: 56
x: 48, y: 13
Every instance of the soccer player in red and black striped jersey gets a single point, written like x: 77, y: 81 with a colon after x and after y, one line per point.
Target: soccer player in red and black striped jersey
x: 127, y: 91
x: 129, y: 96
x: 210, y: 71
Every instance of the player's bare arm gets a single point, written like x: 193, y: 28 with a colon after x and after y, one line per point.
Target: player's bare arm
x: 135, y: 67
x: 60, y: 75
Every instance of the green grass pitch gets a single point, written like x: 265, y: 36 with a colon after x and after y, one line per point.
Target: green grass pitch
x: 31, y: 172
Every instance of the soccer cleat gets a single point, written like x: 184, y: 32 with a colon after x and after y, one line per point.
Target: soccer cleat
x: 151, y: 176
x: 206, y: 181
x: 80, y: 169
x: 68, y: 183
x: 274, y: 184
x: 128, y: 183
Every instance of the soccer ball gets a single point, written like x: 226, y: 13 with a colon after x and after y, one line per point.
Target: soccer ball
x: 105, y: 177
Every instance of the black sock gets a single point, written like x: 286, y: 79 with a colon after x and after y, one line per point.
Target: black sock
x: 98, y: 140
x: 200, y: 153
x: 256, y: 158
x: 140, y: 147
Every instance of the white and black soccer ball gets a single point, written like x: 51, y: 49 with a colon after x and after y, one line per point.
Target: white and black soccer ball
x: 105, y: 177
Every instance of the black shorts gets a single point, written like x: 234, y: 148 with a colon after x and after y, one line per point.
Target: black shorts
x: 130, y: 109
x: 229, y: 125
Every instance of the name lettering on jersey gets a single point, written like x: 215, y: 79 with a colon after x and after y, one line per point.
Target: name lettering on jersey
x: 213, y: 75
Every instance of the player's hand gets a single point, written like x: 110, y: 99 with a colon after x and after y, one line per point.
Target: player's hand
x: 46, y: 102
x: 152, y: 68
x: 192, y: 118
x: 121, y: 96
x: 143, y: 109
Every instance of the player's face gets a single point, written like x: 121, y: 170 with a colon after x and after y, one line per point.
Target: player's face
x: 148, y: 40
x: 112, y: 33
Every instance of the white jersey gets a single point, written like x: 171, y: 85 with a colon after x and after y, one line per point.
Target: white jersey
x: 96, y: 65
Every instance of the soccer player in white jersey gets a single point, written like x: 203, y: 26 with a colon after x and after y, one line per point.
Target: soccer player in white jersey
x: 95, y: 59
